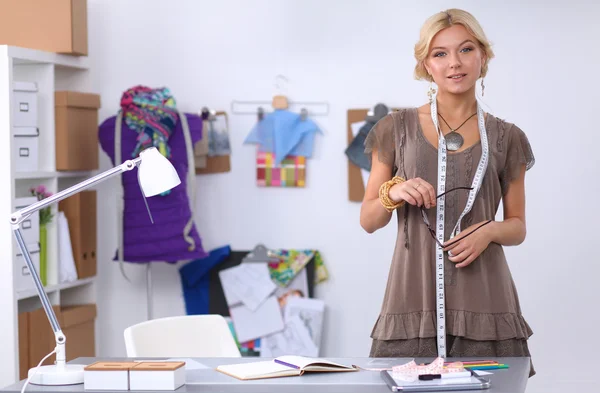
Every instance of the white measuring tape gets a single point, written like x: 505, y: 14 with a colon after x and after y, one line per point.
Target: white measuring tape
x: 441, y: 188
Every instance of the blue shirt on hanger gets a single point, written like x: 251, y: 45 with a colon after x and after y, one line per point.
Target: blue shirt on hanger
x: 284, y: 133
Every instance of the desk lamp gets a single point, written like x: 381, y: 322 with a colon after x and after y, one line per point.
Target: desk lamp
x: 156, y: 174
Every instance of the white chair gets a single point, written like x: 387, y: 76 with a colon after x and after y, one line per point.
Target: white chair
x: 181, y: 336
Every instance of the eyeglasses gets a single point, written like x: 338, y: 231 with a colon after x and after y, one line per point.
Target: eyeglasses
x: 432, y: 231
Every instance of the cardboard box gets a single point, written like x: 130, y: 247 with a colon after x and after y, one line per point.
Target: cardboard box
x: 76, y: 131
x: 55, y: 26
x: 80, y: 211
x: 23, y: 345
x: 77, y: 324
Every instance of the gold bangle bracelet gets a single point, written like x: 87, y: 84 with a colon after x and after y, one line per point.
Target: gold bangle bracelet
x: 384, y: 196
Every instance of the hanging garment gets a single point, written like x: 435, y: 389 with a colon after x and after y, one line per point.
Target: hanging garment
x: 218, y: 135
x: 290, y: 173
x: 201, y: 147
x: 195, y: 280
x: 173, y: 237
x: 152, y: 113
x: 356, y: 150
x: 284, y: 133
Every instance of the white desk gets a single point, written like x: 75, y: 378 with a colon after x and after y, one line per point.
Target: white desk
x: 511, y: 380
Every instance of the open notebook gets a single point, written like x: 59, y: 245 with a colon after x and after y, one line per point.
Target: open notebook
x: 283, y: 366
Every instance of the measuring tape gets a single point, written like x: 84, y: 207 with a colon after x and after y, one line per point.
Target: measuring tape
x: 441, y: 188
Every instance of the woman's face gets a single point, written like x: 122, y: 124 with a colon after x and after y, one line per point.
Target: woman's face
x: 455, y: 60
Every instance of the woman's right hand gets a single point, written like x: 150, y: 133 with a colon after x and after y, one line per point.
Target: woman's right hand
x: 415, y: 191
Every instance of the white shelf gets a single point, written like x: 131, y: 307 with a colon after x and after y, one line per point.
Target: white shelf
x: 54, y: 288
x: 58, y: 174
x: 32, y: 56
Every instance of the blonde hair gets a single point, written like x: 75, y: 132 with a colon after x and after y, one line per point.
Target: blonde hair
x: 443, y: 20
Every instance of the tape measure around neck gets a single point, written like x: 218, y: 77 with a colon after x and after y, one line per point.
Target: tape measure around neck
x: 440, y: 216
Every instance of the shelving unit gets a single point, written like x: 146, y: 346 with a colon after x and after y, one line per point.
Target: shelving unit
x: 51, y: 72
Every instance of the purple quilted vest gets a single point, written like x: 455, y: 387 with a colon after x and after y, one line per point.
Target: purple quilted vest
x: 168, y: 239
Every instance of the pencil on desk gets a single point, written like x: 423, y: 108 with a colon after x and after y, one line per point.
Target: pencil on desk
x: 487, y: 367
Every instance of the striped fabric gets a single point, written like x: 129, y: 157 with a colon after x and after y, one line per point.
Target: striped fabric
x: 291, y: 172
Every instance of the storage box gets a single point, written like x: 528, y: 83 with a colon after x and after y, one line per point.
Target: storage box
x: 76, y: 131
x: 30, y: 227
x: 78, y: 324
x: 80, y: 211
x: 107, y: 375
x: 55, y: 26
x: 24, y: 108
x: 40, y: 339
x: 157, y: 376
x: 22, y: 275
x: 25, y: 147
x: 23, y: 345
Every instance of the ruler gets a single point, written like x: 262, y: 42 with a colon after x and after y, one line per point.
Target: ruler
x: 440, y: 214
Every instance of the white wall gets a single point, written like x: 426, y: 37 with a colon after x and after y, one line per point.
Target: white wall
x: 354, y: 54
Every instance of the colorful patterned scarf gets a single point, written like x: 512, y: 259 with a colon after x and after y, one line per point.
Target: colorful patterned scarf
x: 152, y: 114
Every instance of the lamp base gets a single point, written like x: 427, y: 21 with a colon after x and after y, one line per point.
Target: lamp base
x: 68, y: 374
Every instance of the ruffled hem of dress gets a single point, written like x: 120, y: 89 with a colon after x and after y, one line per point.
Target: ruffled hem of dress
x: 467, y: 324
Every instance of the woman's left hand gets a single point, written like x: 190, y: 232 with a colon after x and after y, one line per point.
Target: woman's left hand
x: 463, y: 249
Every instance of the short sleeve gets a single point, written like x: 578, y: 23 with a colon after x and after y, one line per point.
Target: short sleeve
x: 518, y: 154
x: 382, y: 138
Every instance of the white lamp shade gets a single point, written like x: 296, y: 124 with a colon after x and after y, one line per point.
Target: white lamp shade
x: 156, y: 174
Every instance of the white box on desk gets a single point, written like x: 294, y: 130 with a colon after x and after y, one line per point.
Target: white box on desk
x: 24, y: 105
x: 22, y: 275
x: 157, y: 376
x: 30, y: 227
x: 107, y: 375
x: 25, y: 146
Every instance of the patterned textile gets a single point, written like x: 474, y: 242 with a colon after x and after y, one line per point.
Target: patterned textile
x: 151, y: 113
x: 290, y: 173
x: 291, y: 262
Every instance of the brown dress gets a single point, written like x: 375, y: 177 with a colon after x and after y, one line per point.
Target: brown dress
x: 483, y: 315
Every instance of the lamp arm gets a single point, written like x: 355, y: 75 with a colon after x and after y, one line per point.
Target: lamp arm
x: 17, y: 217
x: 20, y: 215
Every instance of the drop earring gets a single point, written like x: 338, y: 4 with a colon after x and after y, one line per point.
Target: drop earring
x: 482, y: 87
x: 431, y: 91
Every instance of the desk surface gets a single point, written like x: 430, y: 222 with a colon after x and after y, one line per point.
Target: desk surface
x: 208, y: 380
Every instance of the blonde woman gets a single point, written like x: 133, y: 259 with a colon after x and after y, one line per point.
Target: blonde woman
x: 449, y: 159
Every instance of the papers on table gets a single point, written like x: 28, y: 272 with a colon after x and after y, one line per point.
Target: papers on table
x: 284, y: 319
x: 248, y: 283
x: 310, y: 313
x: 250, y: 325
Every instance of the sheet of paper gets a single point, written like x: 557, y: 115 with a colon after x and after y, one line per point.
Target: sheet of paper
x: 481, y: 373
x: 249, y: 282
x: 67, y: 270
x: 227, y: 281
x: 311, y: 313
x: 294, y: 340
x: 265, y: 320
x: 355, y: 128
x: 298, y: 285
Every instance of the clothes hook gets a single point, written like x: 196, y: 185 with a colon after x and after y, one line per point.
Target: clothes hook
x: 303, y: 113
x: 261, y: 113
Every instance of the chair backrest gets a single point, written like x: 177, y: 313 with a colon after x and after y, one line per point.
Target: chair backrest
x: 181, y: 336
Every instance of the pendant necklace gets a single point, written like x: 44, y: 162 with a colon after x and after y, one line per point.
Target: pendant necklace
x: 453, y: 139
